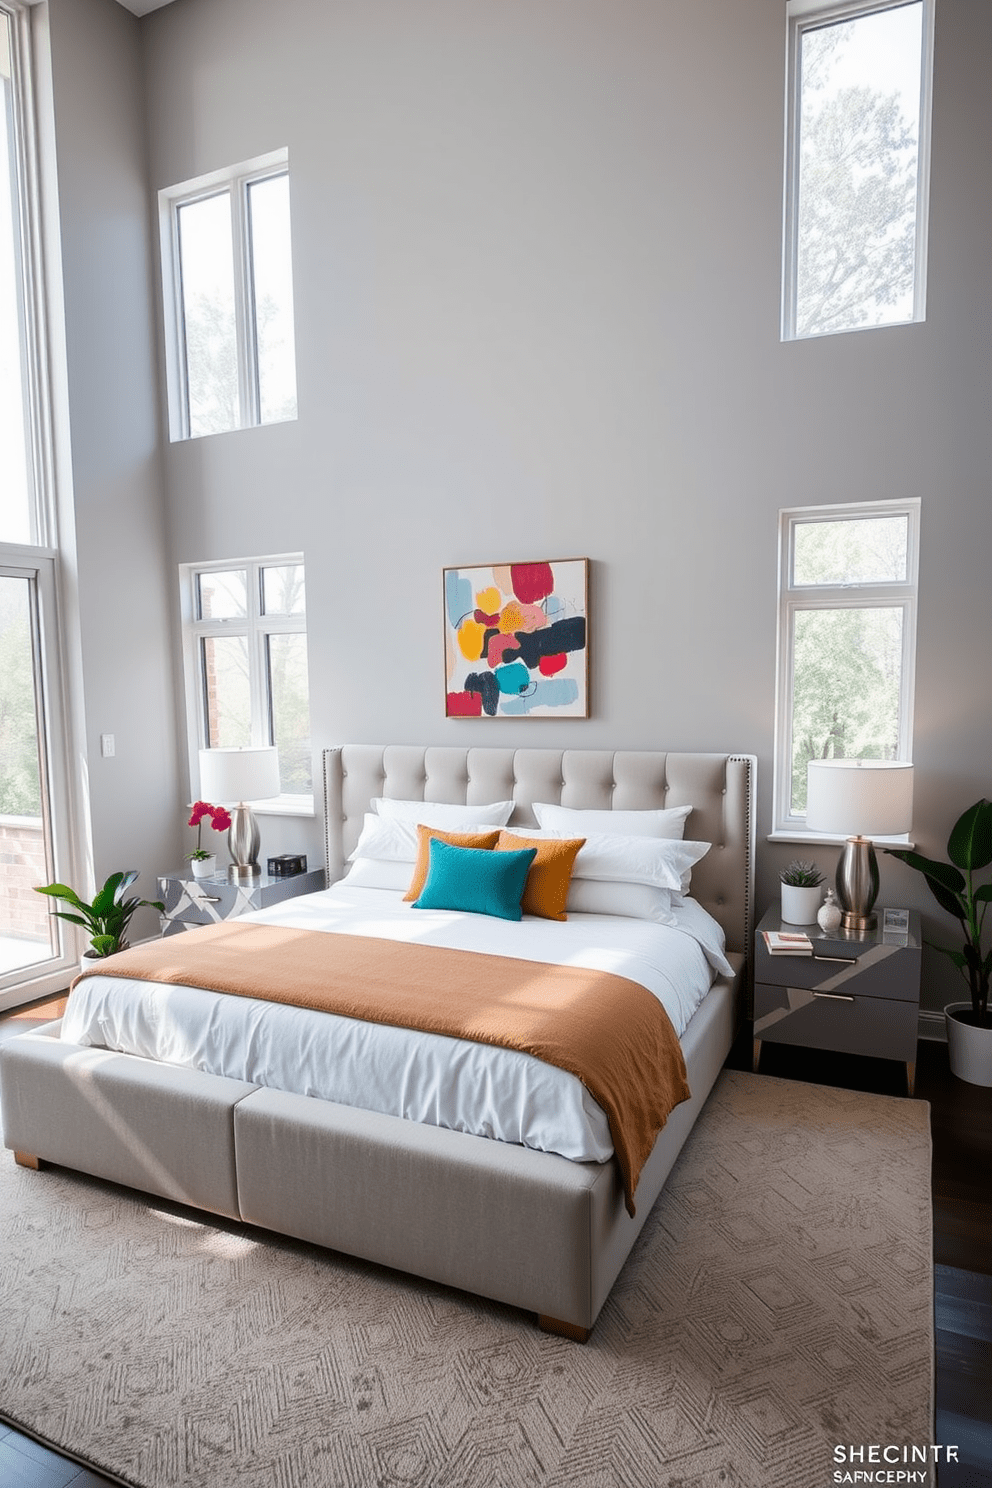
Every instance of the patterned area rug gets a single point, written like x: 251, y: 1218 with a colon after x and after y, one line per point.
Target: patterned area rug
x: 778, y: 1303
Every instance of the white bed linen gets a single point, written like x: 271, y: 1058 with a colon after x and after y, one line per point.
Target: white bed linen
x: 429, y: 1078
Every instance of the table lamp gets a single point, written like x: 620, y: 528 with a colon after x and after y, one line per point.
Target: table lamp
x: 234, y: 777
x: 859, y: 799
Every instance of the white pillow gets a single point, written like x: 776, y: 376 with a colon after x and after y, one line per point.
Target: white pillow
x: 376, y: 873
x: 571, y: 822
x: 444, y: 815
x: 634, y: 901
x: 392, y: 841
x: 658, y: 862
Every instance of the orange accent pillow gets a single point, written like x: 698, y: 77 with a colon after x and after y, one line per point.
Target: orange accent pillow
x: 453, y: 839
x: 550, y: 873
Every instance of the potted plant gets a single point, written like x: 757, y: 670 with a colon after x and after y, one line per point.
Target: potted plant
x: 202, y: 861
x: 107, y: 918
x: 801, y: 894
x: 969, y: 1024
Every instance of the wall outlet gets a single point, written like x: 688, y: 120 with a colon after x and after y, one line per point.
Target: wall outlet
x: 108, y: 747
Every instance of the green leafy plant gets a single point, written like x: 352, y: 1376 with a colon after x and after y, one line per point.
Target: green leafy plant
x: 952, y: 884
x: 108, y: 917
x: 801, y: 875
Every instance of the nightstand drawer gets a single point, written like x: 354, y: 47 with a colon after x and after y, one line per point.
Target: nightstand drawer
x: 876, y: 970
x: 883, y: 1027
x: 205, y: 901
x: 201, y: 901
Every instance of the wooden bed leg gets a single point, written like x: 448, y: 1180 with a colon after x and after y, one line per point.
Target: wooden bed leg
x: 564, y: 1330
x: 27, y: 1160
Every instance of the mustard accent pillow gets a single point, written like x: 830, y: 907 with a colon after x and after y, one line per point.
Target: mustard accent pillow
x: 453, y: 839
x: 546, y: 890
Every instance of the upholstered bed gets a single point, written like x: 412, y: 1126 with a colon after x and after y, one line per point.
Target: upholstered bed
x: 526, y: 1227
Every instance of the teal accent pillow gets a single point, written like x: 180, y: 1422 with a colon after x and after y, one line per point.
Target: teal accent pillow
x: 476, y: 879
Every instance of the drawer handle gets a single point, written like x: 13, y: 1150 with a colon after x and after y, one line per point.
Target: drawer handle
x: 209, y: 898
x: 844, y: 960
x: 834, y: 996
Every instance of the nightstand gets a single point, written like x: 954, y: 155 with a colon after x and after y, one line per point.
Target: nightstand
x: 857, y: 994
x: 193, y: 901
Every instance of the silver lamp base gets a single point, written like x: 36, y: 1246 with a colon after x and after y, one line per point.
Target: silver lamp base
x: 857, y: 884
x: 243, y: 840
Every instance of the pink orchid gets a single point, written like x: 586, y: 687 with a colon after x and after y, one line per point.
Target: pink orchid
x: 200, y: 810
x: 220, y: 820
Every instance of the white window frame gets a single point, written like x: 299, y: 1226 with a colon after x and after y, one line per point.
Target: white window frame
x: 68, y: 856
x: 39, y: 566
x: 256, y: 626
x: 809, y: 15
x: 235, y: 180
x: 30, y: 259
x: 794, y: 598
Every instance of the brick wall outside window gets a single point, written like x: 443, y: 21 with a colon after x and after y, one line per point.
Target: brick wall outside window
x: 22, y: 866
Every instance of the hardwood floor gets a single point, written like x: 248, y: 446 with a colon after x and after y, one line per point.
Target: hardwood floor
x: 961, y: 1123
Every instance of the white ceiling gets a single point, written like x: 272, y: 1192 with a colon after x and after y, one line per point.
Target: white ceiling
x: 142, y: 7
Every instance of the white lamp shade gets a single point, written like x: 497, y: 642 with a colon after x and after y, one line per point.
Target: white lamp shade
x: 859, y: 798
x: 232, y: 775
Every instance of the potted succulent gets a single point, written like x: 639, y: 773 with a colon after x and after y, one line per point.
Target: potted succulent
x: 107, y: 918
x: 969, y: 1024
x: 801, y: 895
x: 202, y: 861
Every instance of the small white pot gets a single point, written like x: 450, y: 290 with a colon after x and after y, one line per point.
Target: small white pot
x: 89, y: 959
x: 799, y: 905
x: 204, y: 867
x: 969, y: 1049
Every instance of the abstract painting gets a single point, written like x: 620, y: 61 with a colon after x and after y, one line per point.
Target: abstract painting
x: 516, y: 640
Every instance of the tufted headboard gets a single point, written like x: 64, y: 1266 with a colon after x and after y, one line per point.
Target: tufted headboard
x: 719, y: 787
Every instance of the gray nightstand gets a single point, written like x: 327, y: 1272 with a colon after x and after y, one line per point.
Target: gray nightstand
x: 193, y: 901
x: 855, y: 994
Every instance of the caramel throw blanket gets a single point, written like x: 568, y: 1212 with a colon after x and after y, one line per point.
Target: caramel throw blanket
x: 610, y: 1032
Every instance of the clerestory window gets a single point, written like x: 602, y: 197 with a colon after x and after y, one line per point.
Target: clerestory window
x: 857, y: 165
x: 228, y: 293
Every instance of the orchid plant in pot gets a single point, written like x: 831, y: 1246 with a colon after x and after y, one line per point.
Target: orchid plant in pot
x: 202, y: 861
x: 969, y: 1024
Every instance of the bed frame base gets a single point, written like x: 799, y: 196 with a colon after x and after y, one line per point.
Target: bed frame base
x: 563, y: 1330
x: 525, y: 1228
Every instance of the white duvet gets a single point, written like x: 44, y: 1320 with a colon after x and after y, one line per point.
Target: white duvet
x: 423, y: 1077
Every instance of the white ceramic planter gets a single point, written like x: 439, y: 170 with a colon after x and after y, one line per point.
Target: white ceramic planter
x: 969, y: 1049
x: 799, y: 905
x: 204, y: 867
x: 89, y: 959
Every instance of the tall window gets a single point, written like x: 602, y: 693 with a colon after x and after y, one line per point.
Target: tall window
x: 228, y: 288
x: 18, y: 511
x: 35, y: 950
x: 246, y: 663
x: 846, y: 640
x: 857, y: 164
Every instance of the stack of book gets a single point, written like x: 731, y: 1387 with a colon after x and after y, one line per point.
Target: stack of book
x: 788, y: 943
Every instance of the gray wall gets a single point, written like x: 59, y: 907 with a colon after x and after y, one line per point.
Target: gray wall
x: 537, y: 262
x: 113, y: 538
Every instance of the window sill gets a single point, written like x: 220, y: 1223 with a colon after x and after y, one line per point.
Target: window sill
x: 285, y: 806
x: 825, y: 839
